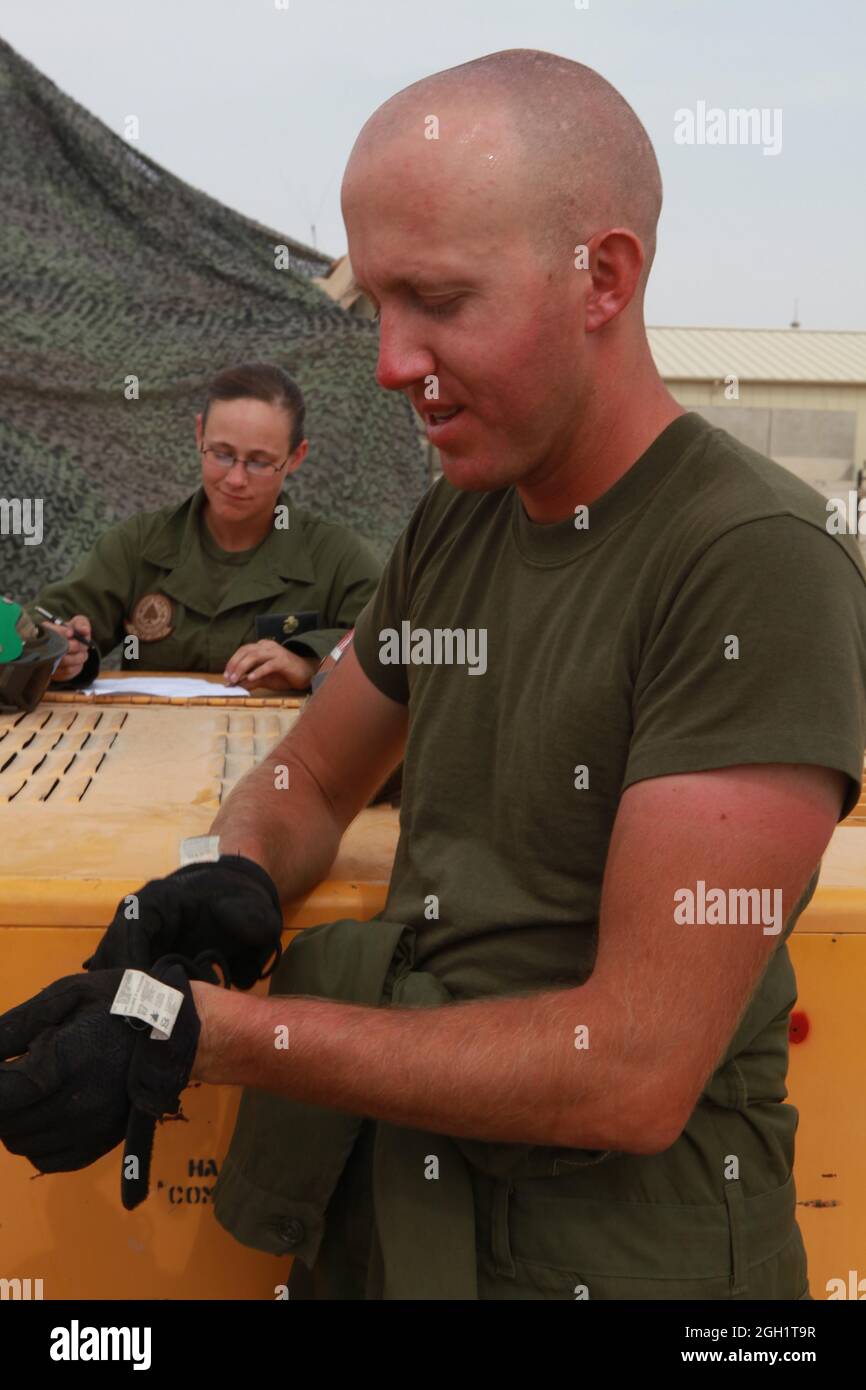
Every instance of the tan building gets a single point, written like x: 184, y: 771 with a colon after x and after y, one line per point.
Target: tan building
x: 796, y: 395
x: 339, y: 283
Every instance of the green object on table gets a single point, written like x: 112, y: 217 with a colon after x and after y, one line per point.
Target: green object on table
x: 11, y: 642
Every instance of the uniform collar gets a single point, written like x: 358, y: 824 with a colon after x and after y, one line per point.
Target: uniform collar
x: 282, y: 556
x: 561, y: 542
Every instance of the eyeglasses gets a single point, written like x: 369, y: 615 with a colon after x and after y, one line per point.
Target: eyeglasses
x: 254, y: 466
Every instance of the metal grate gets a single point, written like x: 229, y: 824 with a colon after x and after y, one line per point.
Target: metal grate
x: 243, y: 741
x: 55, y: 754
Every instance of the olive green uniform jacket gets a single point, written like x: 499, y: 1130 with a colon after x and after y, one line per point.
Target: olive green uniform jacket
x: 156, y: 577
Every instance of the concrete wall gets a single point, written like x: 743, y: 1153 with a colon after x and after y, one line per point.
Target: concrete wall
x: 818, y: 431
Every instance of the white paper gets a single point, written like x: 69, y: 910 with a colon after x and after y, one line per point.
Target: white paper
x: 170, y: 686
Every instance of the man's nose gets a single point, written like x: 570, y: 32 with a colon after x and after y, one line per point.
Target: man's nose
x: 402, y: 357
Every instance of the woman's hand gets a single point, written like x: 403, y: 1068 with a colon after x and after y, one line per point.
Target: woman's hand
x: 266, y: 665
x: 77, y: 652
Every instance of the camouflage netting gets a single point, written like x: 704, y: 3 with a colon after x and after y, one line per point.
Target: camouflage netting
x: 111, y: 267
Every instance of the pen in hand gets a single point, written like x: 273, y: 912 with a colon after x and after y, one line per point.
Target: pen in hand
x: 79, y: 636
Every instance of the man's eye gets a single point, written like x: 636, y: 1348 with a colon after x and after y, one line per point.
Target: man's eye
x: 438, y: 308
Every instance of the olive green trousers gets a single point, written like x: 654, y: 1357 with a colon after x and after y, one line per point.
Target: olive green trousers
x: 535, y: 1240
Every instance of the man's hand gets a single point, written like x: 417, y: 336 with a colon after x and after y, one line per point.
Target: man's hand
x: 64, y: 1101
x: 73, y: 662
x: 266, y: 665
x: 77, y: 1079
x: 229, y: 910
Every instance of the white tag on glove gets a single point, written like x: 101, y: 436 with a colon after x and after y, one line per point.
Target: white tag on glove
x: 199, y: 849
x: 140, y: 996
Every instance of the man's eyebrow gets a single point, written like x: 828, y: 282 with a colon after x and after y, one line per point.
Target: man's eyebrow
x: 427, y: 282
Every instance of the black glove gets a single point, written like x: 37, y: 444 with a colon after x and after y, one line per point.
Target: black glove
x: 159, y: 1072
x: 86, y: 1078
x: 64, y: 1103
x: 229, y: 910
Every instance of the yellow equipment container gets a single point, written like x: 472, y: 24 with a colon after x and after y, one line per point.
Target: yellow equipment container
x: 827, y: 1068
x: 94, y: 799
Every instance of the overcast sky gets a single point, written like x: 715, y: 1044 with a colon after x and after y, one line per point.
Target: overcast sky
x: 259, y: 106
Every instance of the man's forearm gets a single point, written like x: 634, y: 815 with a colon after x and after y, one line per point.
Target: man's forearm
x: 504, y: 1069
x: 290, y: 830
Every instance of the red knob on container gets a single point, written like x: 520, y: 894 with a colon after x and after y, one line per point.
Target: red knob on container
x: 798, y: 1028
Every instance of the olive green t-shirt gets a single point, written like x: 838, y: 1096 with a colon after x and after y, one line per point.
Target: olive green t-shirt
x: 608, y: 648
x: 225, y: 562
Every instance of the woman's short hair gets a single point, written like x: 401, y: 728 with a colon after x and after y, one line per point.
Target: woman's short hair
x: 260, y: 381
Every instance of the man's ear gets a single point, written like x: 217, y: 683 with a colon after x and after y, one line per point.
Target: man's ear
x: 616, y: 262
x: 199, y: 432
x: 298, y: 457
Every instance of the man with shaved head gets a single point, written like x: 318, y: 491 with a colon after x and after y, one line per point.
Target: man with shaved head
x: 624, y: 664
x: 533, y: 163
